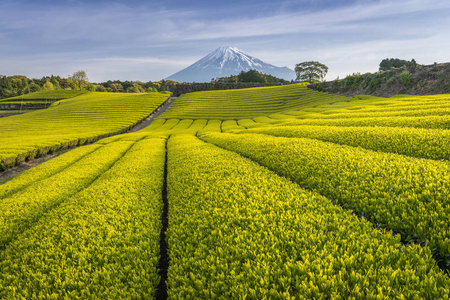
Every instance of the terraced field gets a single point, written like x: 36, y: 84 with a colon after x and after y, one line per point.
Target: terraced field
x: 246, y: 103
x: 75, y: 121
x: 34, y: 101
x: 265, y: 193
x: 43, y: 96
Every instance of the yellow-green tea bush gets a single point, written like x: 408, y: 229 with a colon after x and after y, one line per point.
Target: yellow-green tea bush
x: 75, y: 121
x: 408, y: 195
x: 238, y: 231
x: 101, y: 243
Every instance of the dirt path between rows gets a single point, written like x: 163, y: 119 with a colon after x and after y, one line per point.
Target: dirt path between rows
x: 154, y: 115
x: 17, y: 170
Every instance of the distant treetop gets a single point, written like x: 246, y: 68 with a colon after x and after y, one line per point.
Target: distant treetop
x: 389, y: 63
x: 251, y: 76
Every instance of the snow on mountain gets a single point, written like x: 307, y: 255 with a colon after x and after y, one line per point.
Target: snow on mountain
x: 226, y: 61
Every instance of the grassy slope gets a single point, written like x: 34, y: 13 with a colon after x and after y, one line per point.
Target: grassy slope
x: 245, y: 103
x: 43, y: 96
x: 72, y: 121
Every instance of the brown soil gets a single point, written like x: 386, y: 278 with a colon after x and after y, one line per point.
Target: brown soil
x: 17, y: 170
x: 155, y: 114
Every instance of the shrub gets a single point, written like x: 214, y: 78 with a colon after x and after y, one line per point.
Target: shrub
x: 405, y: 78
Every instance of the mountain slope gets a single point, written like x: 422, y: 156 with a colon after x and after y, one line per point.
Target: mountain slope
x: 419, y: 80
x: 226, y: 61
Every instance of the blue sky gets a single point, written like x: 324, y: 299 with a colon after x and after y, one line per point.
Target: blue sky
x: 150, y: 40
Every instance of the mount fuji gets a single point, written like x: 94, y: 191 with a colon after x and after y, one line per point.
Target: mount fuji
x: 226, y: 61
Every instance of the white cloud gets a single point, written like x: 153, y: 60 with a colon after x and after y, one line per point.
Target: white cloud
x: 124, y: 42
x: 326, y: 21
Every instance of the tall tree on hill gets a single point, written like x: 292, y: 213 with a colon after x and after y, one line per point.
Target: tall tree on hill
x: 311, y: 71
x: 81, y: 80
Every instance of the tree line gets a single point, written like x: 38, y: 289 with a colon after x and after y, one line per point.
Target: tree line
x: 11, y: 86
x: 396, y: 77
x: 118, y: 86
x: 395, y: 63
x: 251, y: 76
x: 17, y: 85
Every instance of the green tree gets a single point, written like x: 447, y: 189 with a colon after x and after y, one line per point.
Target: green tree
x: 389, y: 63
x: 100, y: 88
x: 116, y: 87
x: 55, y: 82
x: 48, y: 86
x: 157, y: 86
x: 81, y: 80
x: 136, y: 88
x: 252, y: 76
x: 91, y: 87
x: 311, y: 71
x: 405, y: 78
x: 34, y: 87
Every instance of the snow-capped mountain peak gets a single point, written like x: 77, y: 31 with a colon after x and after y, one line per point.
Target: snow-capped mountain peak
x: 226, y: 61
x: 226, y: 55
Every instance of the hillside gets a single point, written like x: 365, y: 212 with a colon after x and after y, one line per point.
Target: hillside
x: 36, y: 100
x: 246, y: 103
x: 419, y: 80
x: 69, y: 122
x: 263, y: 193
